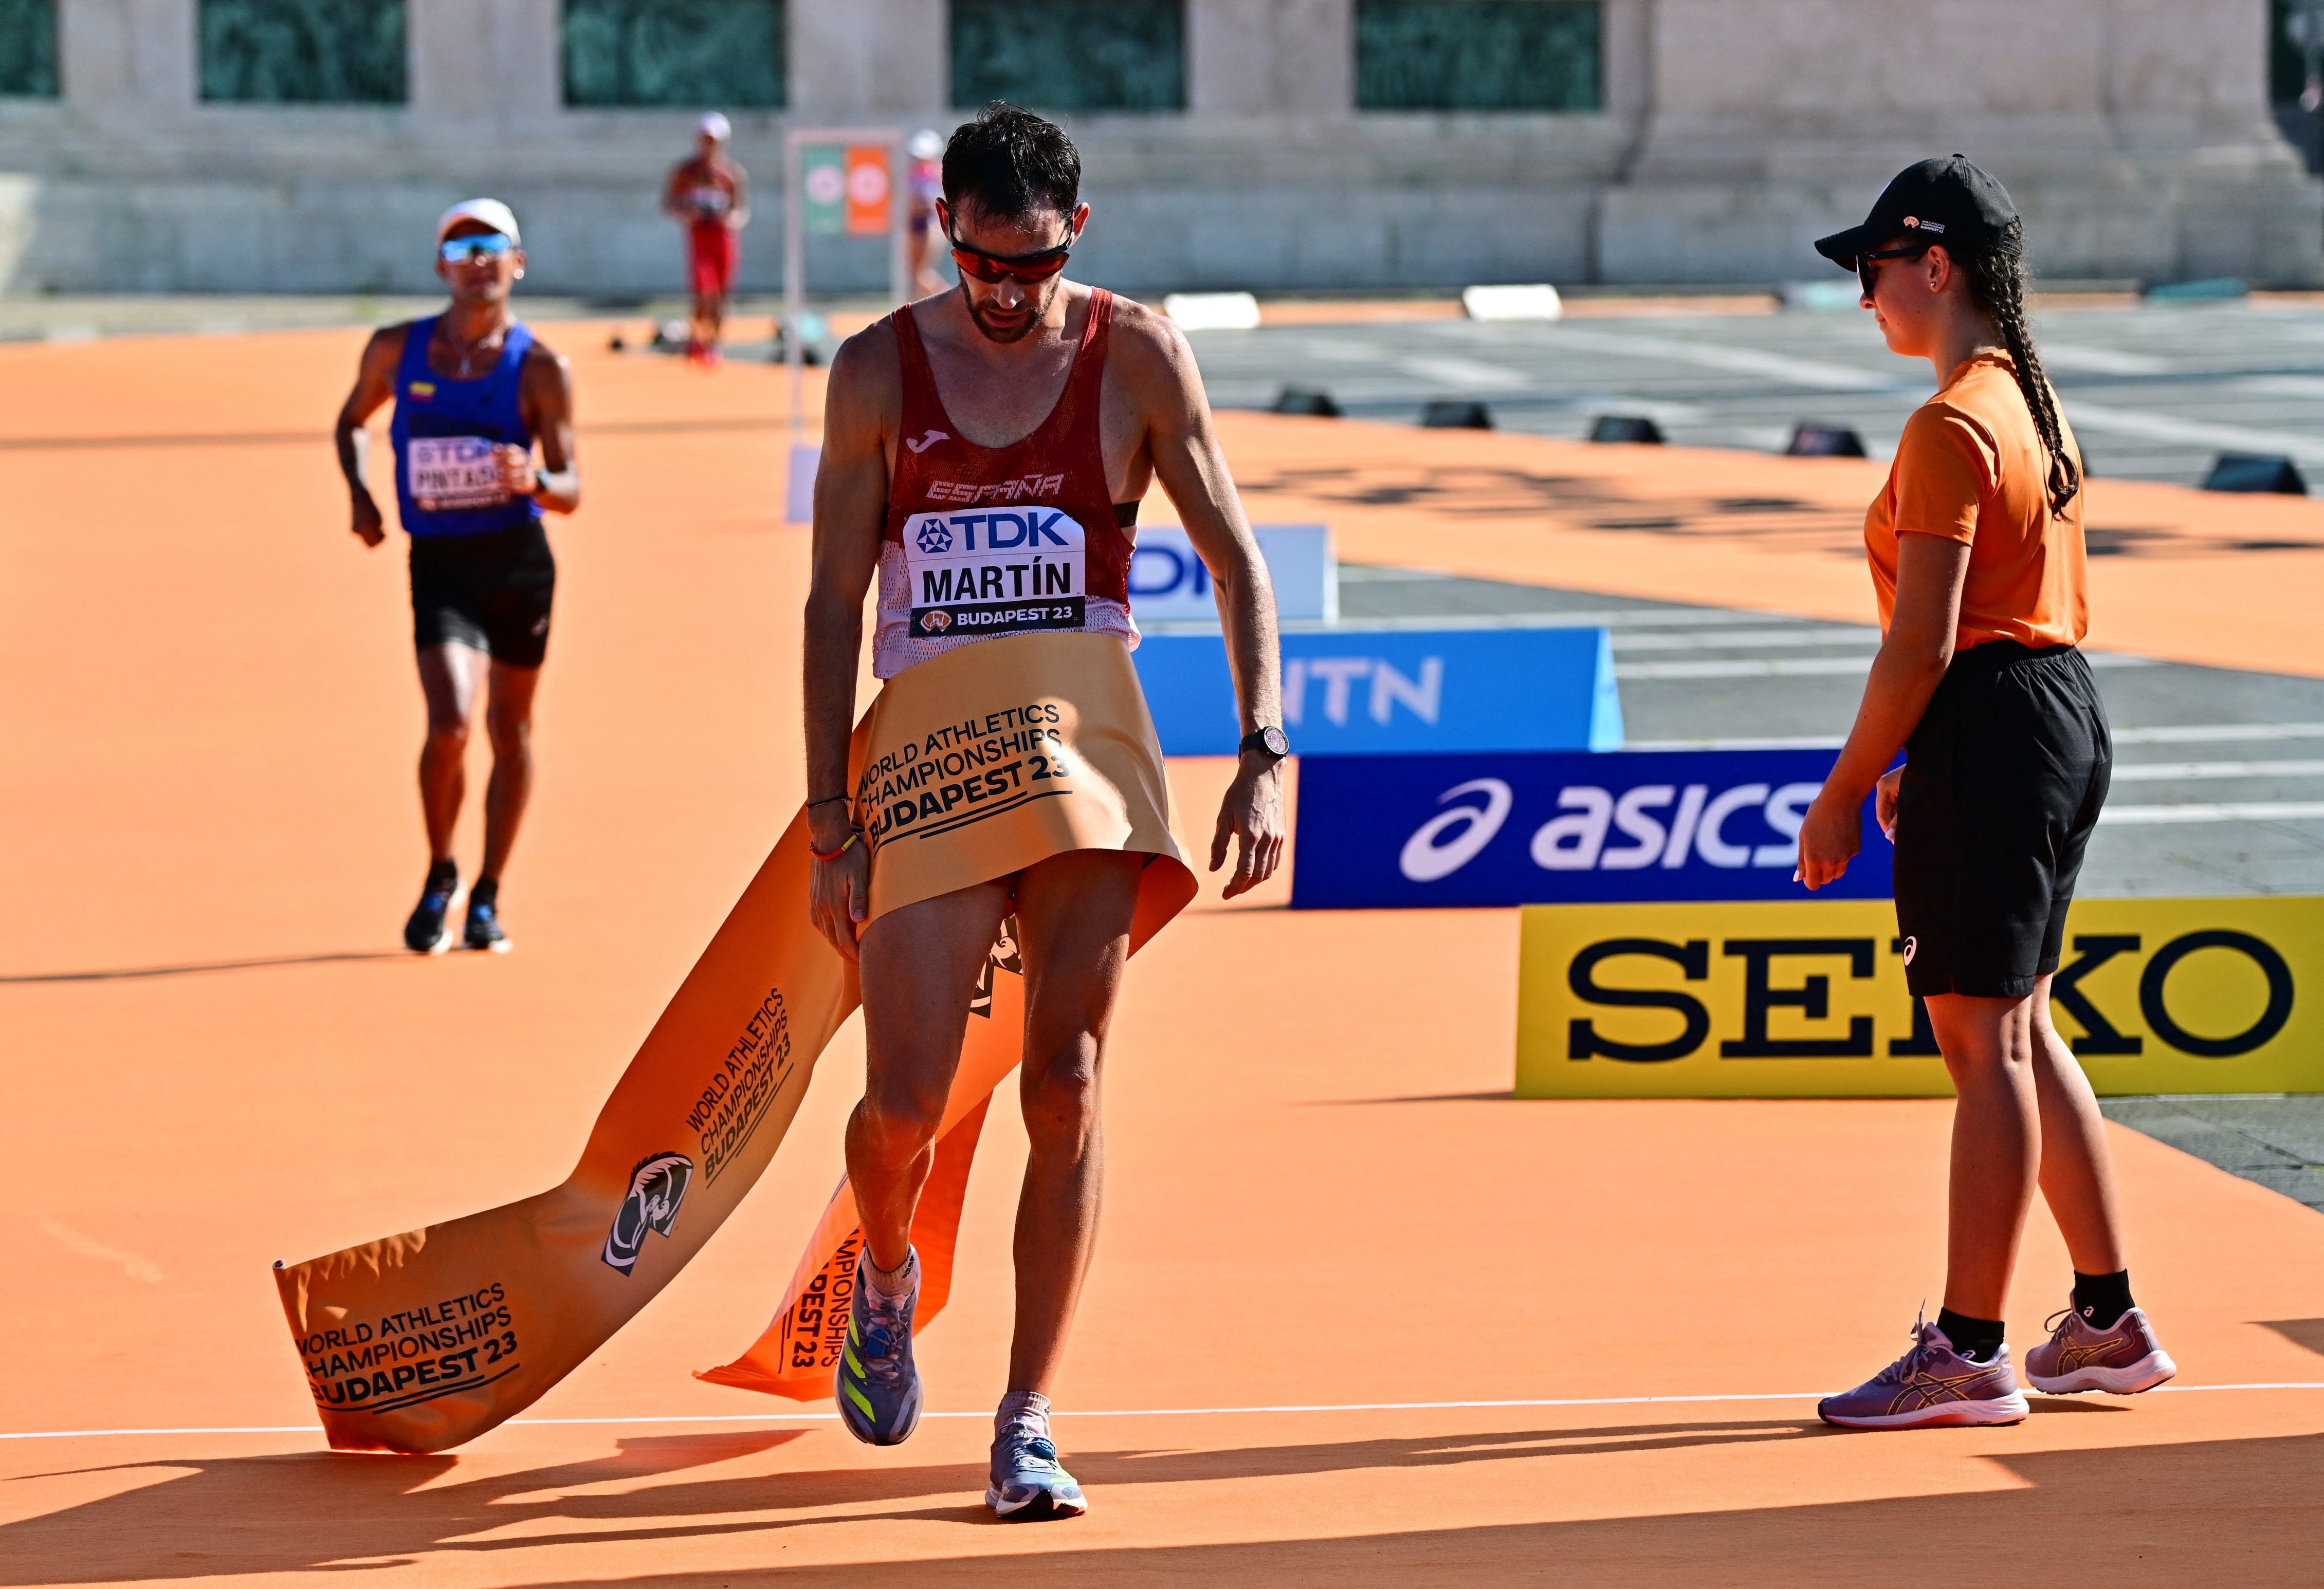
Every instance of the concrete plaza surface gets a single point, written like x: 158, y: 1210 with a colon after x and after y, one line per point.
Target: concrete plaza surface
x: 219, y: 1058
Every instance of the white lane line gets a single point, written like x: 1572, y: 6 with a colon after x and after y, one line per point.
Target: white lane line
x: 762, y: 1418
x: 1803, y: 666
x: 2249, y: 811
x: 2101, y: 361
x: 1465, y: 374
x: 2218, y: 734
x: 1738, y: 640
x: 2156, y: 772
x: 1734, y: 360
x: 2151, y: 427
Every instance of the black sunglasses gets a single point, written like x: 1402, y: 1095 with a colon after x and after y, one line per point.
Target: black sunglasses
x: 1865, y: 274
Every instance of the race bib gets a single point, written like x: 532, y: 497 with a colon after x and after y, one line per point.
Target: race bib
x: 1002, y: 572
x: 450, y: 472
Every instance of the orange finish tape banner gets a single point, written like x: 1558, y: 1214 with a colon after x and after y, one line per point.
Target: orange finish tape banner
x: 420, y: 1341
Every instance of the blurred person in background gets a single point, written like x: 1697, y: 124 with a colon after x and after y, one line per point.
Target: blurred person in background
x: 924, y: 184
x: 474, y: 392
x: 709, y: 195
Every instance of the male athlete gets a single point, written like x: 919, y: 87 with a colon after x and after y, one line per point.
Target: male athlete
x: 710, y: 195
x: 1018, y: 386
x: 473, y: 391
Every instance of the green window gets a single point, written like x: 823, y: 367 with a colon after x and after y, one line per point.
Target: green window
x: 28, y: 48
x: 1480, y: 55
x: 303, y: 52
x: 675, y: 52
x: 1069, y: 54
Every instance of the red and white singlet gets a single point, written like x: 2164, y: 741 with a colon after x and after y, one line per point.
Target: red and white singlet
x: 988, y: 541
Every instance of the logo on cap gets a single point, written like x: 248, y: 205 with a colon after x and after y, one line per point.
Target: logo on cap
x: 1918, y: 225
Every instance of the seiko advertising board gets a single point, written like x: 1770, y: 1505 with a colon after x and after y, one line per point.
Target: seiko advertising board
x: 1351, y: 691
x: 1430, y: 831
x: 1806, y: 999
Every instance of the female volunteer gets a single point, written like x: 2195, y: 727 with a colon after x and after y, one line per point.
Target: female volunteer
x: 1976, y: 548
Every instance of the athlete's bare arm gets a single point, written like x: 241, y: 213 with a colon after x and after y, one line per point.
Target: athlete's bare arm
x: 374, y: 385
x: 863, y: 409
x: 738, y: 213
x: 545, y: 398
x: 673, y: 192
x: 1153, y: 369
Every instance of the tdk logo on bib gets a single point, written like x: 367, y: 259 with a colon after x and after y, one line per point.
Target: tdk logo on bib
x: 1559, y: 828
x: 995, y: 572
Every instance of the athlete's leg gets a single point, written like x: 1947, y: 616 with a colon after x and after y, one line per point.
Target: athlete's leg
x: 2077, y: 1165
x: 1074, y: 914
x: 449, y: 677
x: 921, y: 964
x: 508, y: 721
x: 1989, y: 1048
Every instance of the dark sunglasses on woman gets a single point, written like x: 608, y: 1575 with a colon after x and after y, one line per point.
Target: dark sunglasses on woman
x: 990, y: 268
x: 1866, y: 274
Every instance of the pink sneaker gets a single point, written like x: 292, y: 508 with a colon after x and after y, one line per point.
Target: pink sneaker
x: 2122, y: 1361
x: 1932, y: 1385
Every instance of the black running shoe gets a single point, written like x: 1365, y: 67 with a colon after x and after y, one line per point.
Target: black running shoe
x: 485, y: 918
x: 425, y: 933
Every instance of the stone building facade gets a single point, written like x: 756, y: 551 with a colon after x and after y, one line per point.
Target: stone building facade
x: 1257, y: 144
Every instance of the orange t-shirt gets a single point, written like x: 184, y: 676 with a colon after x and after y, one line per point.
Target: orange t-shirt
x: 1971, y: 468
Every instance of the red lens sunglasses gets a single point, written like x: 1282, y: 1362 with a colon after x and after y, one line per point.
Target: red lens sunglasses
x: 996, y: 268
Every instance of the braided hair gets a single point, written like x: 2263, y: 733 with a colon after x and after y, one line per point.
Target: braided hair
x: 1997, y: 285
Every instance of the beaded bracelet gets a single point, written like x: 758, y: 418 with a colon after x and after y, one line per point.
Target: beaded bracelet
x: 835, y: 854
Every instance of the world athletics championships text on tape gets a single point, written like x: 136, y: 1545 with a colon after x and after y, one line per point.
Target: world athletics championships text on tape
x: 1806, y: 999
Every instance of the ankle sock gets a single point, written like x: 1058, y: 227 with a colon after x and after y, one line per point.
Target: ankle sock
x: 1028, y: 1408
x: 1976, y: 1339
x: 892, y: 1285
x: 2102, y: 1298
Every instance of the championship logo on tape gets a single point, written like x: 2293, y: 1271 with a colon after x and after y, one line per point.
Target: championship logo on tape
x: 657, y: 1187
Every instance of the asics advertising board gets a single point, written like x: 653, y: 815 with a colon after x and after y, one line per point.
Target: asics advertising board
x: 1350, y: 690
x: 1169, y: 583
x: 1806, y: 999
x: 1425, y: 830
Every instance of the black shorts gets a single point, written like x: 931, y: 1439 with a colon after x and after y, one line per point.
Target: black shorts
x: 489, y: 592
x: 2003, y: 782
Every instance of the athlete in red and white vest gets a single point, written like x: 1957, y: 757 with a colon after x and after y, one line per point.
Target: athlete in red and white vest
x: 984, y: 453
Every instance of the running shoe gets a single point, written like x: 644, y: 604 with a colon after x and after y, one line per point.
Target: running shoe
x: 2122, y: 1361
x: 1028, y: 1484
x: 425, y: 933
x: 876, y: 1386
x: 483, y: 929
x: 1930, y: 1386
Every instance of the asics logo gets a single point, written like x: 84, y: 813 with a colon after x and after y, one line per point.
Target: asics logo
x: 929, y: 440
x: 1660, y: 824
x: 1911, y: 944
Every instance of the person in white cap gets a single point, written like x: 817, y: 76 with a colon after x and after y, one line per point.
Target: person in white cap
x: 710, y: 195
x: 926, y: 150
x: 475, y: 392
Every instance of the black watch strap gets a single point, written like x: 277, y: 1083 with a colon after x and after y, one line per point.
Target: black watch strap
x: 1270, y: 738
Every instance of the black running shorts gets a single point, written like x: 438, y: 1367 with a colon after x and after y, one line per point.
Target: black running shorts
x: 2003, y: 782
x: 489, y: 592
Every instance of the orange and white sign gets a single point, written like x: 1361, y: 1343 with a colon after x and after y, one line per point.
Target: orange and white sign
x: 869, y: 187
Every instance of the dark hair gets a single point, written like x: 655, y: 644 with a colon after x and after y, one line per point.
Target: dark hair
x: 1996, y: 284
x: 1009, y: 164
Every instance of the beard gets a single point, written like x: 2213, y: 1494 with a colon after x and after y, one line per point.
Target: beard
x: 1036, y: 310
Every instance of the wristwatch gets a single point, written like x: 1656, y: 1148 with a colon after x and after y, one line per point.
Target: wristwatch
x: 1270, y: 738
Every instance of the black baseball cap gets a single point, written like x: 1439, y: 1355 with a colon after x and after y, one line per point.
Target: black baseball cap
x: 1951, y: 199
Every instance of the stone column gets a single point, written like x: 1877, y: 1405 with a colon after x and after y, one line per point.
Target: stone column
x: 119, y: 54
x: 1271, y: 56
x: 485, y: 60
x: 867, y: 59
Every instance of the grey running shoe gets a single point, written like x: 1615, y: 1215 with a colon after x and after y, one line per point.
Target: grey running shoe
x: 1930, y: 1385
x: 876, y: 1386
x: 2122, y: 1361
x: 1028, y: 1484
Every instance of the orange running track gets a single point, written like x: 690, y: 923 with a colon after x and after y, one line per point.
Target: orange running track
x: 1326, y: 1222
